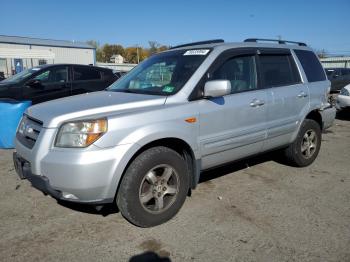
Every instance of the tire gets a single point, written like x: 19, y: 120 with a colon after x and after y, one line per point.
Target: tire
x: 304, y: 150
x: 154, y: 187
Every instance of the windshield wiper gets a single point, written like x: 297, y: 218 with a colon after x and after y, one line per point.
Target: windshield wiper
x: 125, y: 90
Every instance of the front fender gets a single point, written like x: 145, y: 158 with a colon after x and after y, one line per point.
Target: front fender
x: 148, y: 134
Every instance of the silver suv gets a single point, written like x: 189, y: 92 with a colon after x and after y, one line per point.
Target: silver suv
x: 143, y: 142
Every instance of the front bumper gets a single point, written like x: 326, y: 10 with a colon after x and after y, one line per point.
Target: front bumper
x: 89, y: 175
x: 42, y: 183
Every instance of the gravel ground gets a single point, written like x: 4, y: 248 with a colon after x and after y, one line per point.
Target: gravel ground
x: 254, y: 210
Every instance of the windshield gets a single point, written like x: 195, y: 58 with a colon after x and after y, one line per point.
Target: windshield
x: 162, y: 74
x: 20, y: 76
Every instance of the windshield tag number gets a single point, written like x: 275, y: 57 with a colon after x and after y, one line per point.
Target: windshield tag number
x: 197, y: 52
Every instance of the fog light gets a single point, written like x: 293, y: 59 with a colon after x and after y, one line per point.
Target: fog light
x: 69, y: 196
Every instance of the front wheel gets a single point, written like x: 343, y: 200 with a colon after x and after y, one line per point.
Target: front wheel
x: 154, y: 187
x: 304, y: 150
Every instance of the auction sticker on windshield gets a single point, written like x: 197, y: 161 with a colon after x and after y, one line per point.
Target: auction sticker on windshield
x: 168, y: 89
x: 197, y: 52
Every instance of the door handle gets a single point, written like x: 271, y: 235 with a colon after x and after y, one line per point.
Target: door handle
x: 302, y: 94
x: 256, y: 102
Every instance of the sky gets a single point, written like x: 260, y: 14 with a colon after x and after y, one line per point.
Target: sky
x: 321, y: 24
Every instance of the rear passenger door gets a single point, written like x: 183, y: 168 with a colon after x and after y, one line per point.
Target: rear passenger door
x: 233, y: 126
x: 86, y: 79
x: 288, y: 97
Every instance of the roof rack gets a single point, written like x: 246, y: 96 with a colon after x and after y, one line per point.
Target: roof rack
x: 274, y: 40
x: 214, y: 41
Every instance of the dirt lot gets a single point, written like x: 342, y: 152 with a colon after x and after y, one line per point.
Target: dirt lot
x: 255, y: 210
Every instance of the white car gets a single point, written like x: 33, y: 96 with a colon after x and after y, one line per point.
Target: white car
x: 343, y: 99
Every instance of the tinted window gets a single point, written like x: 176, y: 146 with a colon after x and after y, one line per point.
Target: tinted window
x: 53, y: 75
x: 345, y: 72
x: 311, y: 65
x: 85, y: 73
x: 329, y: 72
x: 240, y: 71
x: 278, y: 70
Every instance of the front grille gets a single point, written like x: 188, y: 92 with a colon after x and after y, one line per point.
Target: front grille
x: 28, y: 131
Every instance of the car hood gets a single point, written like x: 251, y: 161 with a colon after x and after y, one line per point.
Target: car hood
x: 5, y: 85
x: 91, y: 105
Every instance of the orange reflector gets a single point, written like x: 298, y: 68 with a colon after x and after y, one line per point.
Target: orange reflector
x: 191, y: 120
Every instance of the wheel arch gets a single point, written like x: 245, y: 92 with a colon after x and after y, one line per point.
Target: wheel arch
x: 313, y: 115
x: 176, y: 144
x: 316, y: 116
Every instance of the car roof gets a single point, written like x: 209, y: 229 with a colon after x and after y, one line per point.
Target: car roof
x: 54, y: 65
x: 229, y: 45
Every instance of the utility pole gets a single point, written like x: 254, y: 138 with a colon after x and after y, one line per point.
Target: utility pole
x: 137, y: 52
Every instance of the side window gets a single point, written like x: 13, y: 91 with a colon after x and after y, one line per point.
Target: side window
x: 278, y: 70
x: 85, y: 73
x: 60, y: 74
x: 311, y: 65
x: 240, y: 71
x: 54, y: 75
x: 44, y: 76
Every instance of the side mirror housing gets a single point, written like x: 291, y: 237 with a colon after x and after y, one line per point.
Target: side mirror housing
x: 34, y: 83
x: 217, y: 88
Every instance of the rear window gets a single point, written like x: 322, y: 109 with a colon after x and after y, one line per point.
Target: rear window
x: 311, y: 65
x: 85, y: 73
x: 278, y: 70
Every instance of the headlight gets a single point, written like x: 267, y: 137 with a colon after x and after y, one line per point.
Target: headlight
x: 344, y: 92
x: 80, y: 133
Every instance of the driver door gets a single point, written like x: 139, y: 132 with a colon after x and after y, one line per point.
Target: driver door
x: 51, y: 83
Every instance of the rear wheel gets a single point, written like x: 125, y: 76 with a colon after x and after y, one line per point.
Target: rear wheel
x: 154, y: 187
x: 304, y: 150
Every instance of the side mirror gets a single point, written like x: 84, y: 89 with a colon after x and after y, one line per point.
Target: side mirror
x: 34, y: 83
x: 217, y: 88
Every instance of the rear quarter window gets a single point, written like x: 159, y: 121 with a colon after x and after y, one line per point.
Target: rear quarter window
x: 311, y: 65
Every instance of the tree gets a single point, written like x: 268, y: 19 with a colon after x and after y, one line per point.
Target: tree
x: 153, y: 47
x: 109, y: 50
x: 131, y: 54
x: 322, y: 53
x: 96, y: 45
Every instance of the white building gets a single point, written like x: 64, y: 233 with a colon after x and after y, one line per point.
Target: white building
x: 117, y: 59
x: 18, y: 53
x: 337, y: 61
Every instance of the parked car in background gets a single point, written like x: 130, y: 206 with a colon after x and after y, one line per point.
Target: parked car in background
x: 343, y: 99
x: 2, y: 76
x: 119, y: 74
x: 339, y: 78
x: 143, y: 142
x: 48, y: 82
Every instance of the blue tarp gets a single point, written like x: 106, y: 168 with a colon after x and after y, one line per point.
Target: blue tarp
x: 11, y: 112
